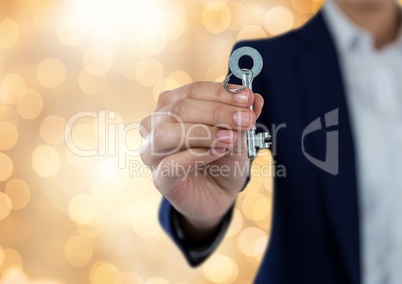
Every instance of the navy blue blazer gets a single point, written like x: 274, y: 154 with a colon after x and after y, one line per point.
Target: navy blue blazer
x: 315, y: 227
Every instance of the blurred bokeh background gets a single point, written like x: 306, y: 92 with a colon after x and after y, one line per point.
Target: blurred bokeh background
x: 88, y: 213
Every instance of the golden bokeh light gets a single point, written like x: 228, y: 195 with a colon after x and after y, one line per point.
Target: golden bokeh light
x: 175, y: 24
x: 260, y: 247
x: 157, y: 280
x: 254, y: 185
x: 45, y: 161
x: 6, y: 167
x: 172, y: 81
x: 265, y: 165
x: 220, y: 269
x: 90, y: 231
x: 5, y: 206
x: 216, y: 17
x: 52, y: 129
x: 236, y: 225
x: 208, y: 2
x: 164, y: 85
x: 278, y: 20
x: 19, y: 193
x: 106, y: 195
x: 7, y: 114
x: 51, y: 72
x: 78, y: 251
x: 107, y: 38
x: 129, y: 277
x: 29, y: 104
x: 82, y: 209
x: 151, y: 43
x: 92, y: 84
x: 300, y: 20
x: 237, y: 21
x: 97, y: 61
x: 19, y: 277
x: 29, y: 238
x: 248, y: 206
x: 71, y: 32
x: 261, y: 209
x: 213, y: 72
x: 8, y: 135
x: 10, y: 33
x: 133, y: 139
x: 136, y: 215
x: 126, y: 62
x: 249, y: 241
x: 77, y: 160
x: 12, y: 263
x: 72, y: 217
x: 252, y: 14
x: 251, y: 32
x: 83, y: 134
x: 104, y: 273
x: 268, y: 184
x: 181, y: 77
x: 47, y: 16
x: 149, y: 71
x: 11, y: 87
x: 1, y: 256
x: 53, y: 252
x: 305, y: 6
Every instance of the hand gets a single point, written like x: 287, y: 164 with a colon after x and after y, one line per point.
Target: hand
x: 196, y: 147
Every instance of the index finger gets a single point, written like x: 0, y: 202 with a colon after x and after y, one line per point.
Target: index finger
x: 207, y: 91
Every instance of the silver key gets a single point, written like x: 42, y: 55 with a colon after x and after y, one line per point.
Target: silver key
x: 254, y: 140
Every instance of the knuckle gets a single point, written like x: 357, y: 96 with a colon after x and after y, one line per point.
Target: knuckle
x: 177, y: 108
x: 158, y: 134
x: 145, y: 122
x: 170, y: 96
x: 176, y: 96
x: 217, y: 113
x: 164, y: 98
x: 144, y: 126
x: 145, y: 156
x: 145, y: 159
x: 199, y: 130
x: 222, y: 94
x: 192, y: 89
x: 159, y: 179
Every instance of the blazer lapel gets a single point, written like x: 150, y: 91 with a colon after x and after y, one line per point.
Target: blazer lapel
x: 324, y: 92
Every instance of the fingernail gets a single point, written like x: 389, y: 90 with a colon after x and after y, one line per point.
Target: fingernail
x: 242, y: 97
x: 225, y: 135
x: 243, y: 119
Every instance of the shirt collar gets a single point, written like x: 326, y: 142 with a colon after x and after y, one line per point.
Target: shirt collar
x: 344, y: 31
x: 347, y: 34
x: 398, y: 41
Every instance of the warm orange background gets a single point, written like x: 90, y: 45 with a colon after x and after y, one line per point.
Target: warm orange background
x: 71, y: 219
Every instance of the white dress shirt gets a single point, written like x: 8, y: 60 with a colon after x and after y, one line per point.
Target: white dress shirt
x: 373, y: 85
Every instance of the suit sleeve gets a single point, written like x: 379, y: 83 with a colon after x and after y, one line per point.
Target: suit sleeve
x: 195, y: 253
